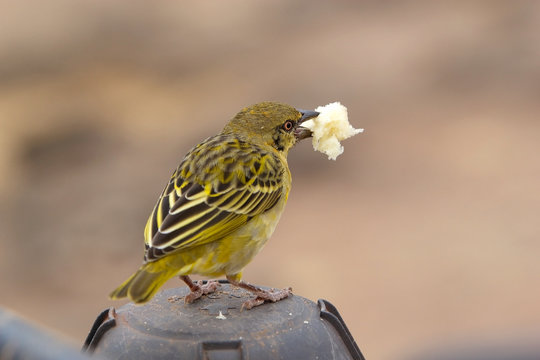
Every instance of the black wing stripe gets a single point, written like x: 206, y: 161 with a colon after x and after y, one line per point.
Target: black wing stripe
x: 169, y: 188
x: 178, y: 182
x: 155, y: 253
x: 174, y: 221
x: 272, y: 200
x: 229, y: 203
x: 222, y: 187
x: 172, y: 199
x: 184, y: 204
x: 243, y: 200
x: 255, y: 200
x: 153, y: 223
x: 233, y: 222
x: 163, y: 210
x: 191, y: 230
x: 194, y: 191
x: 218, y: 200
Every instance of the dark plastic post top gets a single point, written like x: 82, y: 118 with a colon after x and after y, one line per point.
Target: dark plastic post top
x: 20, y: 339
x: 214, y: 327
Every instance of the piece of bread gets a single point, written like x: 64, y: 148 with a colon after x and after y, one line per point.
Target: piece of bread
x: 329, y: 128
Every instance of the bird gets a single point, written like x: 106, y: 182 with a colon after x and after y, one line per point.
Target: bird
x: 221, y: 205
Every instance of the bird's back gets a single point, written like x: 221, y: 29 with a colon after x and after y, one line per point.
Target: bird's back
x: 222, y: 184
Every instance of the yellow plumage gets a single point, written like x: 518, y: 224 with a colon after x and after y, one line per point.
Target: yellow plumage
x: 221, y: 204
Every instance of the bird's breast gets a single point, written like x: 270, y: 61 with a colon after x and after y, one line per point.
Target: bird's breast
x: 239, y: 248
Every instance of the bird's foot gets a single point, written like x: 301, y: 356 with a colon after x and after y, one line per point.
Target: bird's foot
x: 273, y: 295
x: 199, y: 289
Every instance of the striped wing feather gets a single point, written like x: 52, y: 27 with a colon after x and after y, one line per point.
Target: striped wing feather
x: 210, y: 196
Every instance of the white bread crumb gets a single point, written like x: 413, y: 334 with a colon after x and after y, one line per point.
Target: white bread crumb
x: 329, y: 128
x: 221, y: 316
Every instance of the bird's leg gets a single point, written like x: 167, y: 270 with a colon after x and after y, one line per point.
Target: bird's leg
x: 272, y: 295
x: 198, y: 289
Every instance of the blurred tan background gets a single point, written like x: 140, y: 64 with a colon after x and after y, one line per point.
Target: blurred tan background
x: 425, y: 232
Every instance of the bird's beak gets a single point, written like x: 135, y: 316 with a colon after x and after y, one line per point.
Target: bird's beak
x: 306, y: 115
x: 301, y: 132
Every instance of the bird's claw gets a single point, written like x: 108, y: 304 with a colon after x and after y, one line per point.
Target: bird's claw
x: 251, y: 303
x: 272, y: 295
x: 202, y: 289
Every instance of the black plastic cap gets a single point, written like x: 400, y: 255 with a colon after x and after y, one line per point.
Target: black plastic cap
x: 21, y: 339
x: 214, y: 327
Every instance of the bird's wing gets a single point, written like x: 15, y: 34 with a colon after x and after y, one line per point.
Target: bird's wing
x: 215, y: 190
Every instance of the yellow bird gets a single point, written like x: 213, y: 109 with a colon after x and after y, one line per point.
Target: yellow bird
x: 221, y: 205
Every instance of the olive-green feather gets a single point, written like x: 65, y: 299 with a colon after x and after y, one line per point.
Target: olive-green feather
x: 144, y: 284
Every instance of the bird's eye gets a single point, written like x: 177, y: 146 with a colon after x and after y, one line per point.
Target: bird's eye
x: 288, y: 125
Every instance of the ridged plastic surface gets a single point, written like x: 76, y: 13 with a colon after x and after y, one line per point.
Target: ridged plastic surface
x: 214, y: 327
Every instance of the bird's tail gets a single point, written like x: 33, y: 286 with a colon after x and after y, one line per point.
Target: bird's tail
x: 144, y: 284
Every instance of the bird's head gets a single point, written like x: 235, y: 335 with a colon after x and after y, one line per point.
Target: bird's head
x: 271, y: 123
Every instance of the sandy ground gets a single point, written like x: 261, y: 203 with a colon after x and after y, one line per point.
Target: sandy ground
x: 424, y: 233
